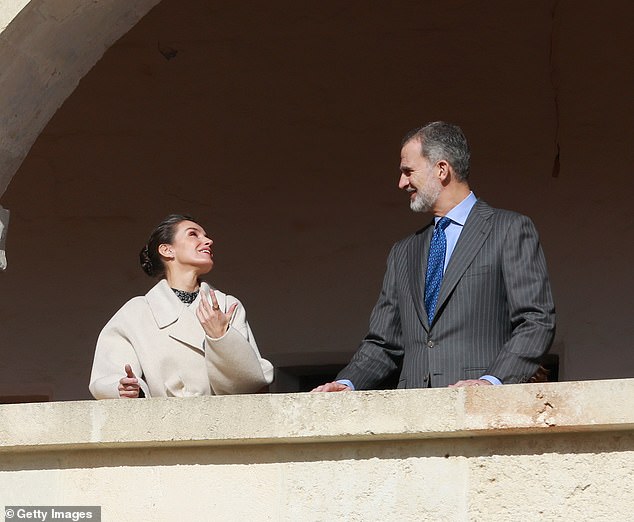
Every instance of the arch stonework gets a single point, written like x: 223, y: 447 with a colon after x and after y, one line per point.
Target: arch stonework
x: 45, y: 49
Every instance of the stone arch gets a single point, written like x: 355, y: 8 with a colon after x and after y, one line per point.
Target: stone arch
x: 45, y: 50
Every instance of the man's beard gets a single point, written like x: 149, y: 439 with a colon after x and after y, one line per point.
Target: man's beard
x: 425, y: 198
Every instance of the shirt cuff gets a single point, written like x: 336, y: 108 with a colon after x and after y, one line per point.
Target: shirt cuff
x: 347, y: 383
x: 493, y: 380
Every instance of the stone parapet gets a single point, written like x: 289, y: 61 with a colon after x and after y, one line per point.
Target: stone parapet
x: 301, y: 417
x: 555, y: 451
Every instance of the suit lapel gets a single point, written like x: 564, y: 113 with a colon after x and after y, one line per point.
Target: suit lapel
x: 418, y: 252
x: 475, y: 232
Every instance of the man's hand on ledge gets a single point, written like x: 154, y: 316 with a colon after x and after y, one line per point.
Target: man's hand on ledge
x: 331, y: 387
x: 337, y: 386
x: 471, y: 382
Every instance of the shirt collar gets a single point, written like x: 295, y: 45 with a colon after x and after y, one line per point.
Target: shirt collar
x: 460, y: 212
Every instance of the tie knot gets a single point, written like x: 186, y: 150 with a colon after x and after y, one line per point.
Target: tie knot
x: 443, y: 223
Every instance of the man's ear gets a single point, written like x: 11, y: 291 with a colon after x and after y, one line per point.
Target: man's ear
x: 166, y: 250
x: 443, y: 170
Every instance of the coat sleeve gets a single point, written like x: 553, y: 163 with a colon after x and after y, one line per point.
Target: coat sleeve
x: 114, y: 350
x: 381, y: 351
x: 530, y: 301
x: 233, y: 361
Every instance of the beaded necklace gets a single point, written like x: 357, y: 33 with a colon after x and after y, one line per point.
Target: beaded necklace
x: 186, y: 297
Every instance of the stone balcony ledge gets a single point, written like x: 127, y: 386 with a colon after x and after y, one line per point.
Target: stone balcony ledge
x: 307, y: 418
x: 560, y: 451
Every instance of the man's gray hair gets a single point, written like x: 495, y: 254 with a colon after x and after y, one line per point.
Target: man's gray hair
x: 443, y: 141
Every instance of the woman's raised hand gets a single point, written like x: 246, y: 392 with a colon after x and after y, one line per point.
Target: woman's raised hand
x: 213, y: 320
x: 129, y: 385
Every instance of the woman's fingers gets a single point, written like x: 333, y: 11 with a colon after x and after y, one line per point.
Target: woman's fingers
x: 204, y: 302
x: 129, y: 385
x: 231, y: 311
x: 129, y: 394
x: 210, y: 309
x: 214, y: 301
x: 200, y: 313
x: 213, y: 320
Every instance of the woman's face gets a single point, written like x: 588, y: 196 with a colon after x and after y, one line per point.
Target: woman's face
x: 190, y: 248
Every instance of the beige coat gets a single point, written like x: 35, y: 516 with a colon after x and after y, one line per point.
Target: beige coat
x: 164, y: 343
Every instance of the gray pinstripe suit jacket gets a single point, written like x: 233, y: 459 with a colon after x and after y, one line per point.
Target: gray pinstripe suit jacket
x: 495, y: 313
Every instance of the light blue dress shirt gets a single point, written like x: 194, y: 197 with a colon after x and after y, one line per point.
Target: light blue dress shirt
x: 458, y: 216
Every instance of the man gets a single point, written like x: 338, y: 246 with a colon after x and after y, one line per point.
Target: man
x: 466, y: 300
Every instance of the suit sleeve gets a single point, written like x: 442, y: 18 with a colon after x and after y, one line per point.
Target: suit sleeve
x: 114, y: 350
x: 530, y: 301
x: 233, y: 361
x: 381, y: 351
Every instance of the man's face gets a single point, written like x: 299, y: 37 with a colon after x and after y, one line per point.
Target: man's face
x: 418, y: 177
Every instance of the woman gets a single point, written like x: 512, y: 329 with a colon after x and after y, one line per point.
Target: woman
x: 182, y: 338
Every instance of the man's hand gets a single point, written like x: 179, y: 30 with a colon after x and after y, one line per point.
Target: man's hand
x: 471, y: 382
x: 129, y: 385
x: 331, y: 387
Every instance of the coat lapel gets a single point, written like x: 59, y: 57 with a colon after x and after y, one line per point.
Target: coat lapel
x: 179, y: 320
x: 187, y: 329
x: 475, y: 232
x: 418, y: 252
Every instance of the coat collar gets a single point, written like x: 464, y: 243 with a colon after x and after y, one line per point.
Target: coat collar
x: 179, y: 319
x: 165, y: 306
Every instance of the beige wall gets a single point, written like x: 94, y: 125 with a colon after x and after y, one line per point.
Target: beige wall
x: 562, y: 451
x: 278, y: 127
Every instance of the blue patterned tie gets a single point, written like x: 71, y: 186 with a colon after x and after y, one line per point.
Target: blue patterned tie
x: 435, y: 265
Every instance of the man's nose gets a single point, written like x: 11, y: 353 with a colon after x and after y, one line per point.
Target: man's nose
x: 403, y: 182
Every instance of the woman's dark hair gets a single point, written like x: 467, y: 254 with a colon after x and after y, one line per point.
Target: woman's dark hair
x: 150, y: 259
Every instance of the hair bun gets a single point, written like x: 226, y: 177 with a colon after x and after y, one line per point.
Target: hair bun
x: 146, y: 262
